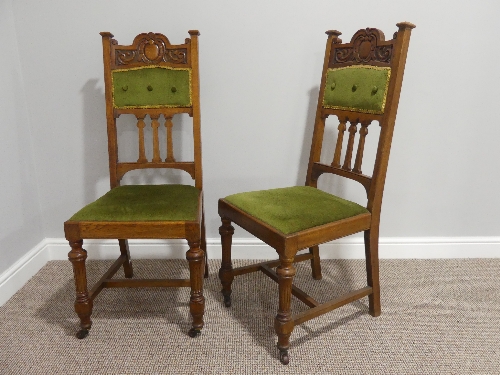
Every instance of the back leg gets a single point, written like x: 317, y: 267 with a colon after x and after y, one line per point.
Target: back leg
x: 372, y: 270
x: 203, y: 243
x: 127, y: 265
x: 315, y: 263
x: 226, y: 276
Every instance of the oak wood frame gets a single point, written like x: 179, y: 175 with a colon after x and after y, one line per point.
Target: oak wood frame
x: 115, y: 56
x: 392, y: 54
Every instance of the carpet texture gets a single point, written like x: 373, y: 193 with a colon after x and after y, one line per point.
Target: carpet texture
x: 438, y: 317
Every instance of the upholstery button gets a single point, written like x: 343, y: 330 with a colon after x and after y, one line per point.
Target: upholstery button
x: 150, y: 88
x: 333, y: 86
x: 125, y: 88
x: 173, y: 89
x: 354, y: 88
x: 374, y: 90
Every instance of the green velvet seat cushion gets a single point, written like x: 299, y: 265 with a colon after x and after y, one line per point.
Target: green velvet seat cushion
x: 151, y: 87
x: 359, y: 87
x: 294, y: 209
x: 143, y: 203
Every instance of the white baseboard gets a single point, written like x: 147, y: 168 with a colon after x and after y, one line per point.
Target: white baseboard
x: 20, y: 272
x: 347, y: 248
x: 251, y: 248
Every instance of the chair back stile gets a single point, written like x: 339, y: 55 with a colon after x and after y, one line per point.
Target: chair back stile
x: 368, y: 57
x: 154, y: 78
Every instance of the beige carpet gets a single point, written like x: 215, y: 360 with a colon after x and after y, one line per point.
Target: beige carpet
x: 438, y: 317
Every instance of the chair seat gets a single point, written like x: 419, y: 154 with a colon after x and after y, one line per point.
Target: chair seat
x: 143, y: 203
x: 294, y: 209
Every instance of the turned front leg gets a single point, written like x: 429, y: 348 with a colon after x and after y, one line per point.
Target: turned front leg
x: 283, y: 324
x: 196, y: 259
x: 226, y: 276
x: 83, y: 304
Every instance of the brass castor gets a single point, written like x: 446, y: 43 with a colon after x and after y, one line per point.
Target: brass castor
x: 81, y: 334
x: 284, y: 358
x: 227, y: 301
x: 193, y: 332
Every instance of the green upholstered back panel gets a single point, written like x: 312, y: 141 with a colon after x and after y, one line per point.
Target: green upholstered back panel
x: 151, y: 87
x: 361, y: 88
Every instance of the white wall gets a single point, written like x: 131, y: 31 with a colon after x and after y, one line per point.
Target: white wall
x: 260, y: 67
x: 20, y: 214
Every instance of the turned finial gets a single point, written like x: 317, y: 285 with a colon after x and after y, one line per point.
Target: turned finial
x: 106, y: 34
x: 333, y: 32
x: 405, y: 25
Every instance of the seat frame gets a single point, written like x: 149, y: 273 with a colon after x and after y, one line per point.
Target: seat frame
x: 117, y: 56
x: 392, y: 54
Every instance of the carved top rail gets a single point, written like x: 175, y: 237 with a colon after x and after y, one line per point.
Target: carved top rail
x: 150, y: 48
x: 367, y: 46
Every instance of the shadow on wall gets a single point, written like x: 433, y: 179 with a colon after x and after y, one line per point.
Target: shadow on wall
x: 95, y: 158
x: 183, y: 149
x: 336, y: 186
x: 307, y: 137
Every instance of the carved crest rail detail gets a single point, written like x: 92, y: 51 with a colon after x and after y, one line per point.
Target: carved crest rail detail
x: 150, y: 48
x: 367, y: 46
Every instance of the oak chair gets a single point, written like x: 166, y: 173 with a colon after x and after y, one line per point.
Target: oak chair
x: 361, y: 83
x: 154, y: 78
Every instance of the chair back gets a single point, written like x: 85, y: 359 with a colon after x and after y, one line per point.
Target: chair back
x: 361, y: 83
x: 154, y: 78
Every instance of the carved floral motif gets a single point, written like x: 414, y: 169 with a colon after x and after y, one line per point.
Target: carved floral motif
x: 365, y: 47
x: 151, y: 49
